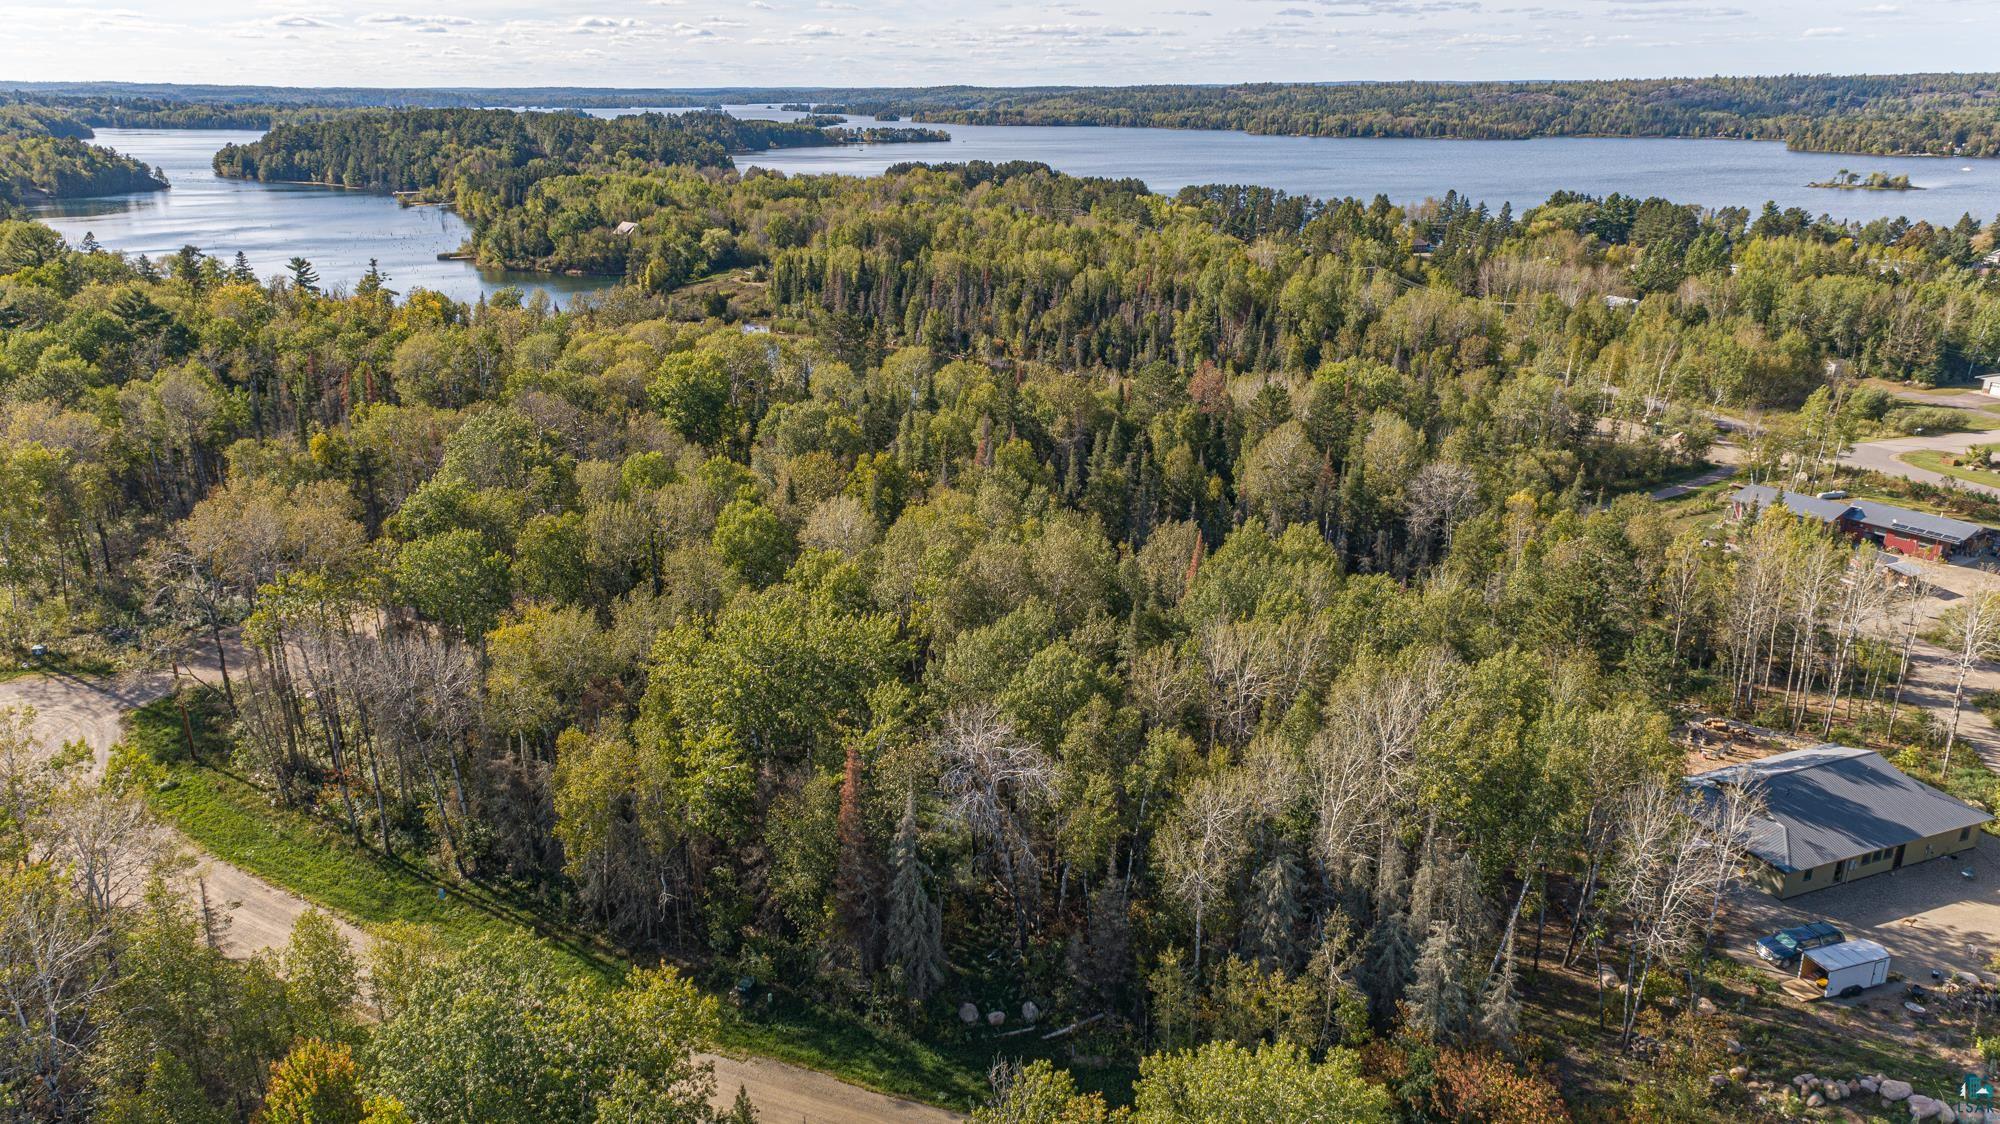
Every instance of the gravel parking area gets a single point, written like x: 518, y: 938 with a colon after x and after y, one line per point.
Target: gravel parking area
x: 1927, y: 915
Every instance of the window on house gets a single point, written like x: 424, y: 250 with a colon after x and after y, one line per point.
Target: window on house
x: 1964, y: 833
x: 1808, y: 877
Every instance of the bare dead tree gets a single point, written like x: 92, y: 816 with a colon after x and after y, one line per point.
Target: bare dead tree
x: 1201, y: 844
x: 1974, y: 628
x: 995, y: 783
x: 1359, y: 770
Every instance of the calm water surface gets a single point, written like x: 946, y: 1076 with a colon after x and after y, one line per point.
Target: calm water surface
x: 338, y: 231
x: 1713, y: 173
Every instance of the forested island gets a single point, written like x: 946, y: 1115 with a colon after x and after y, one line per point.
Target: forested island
x: 880, y: 134
x: 1874, y: 181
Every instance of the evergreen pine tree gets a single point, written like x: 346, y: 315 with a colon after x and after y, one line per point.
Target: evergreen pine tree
x: 1500, y: 1008
x: 1438, y: 1001
x: 304, y: 278
x: 1445, y: 888
x: 241, y: 272
x: 1392, y: 879
x: 373, y: 281
x: 1386, y: 971
x: 1271, y: 921
x: 90, y: 244
x: 915, y: 942
x: 740, y: 1111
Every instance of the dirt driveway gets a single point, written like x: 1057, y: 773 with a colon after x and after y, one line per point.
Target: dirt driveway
x: 1927, y: 915
x: 70, y: 708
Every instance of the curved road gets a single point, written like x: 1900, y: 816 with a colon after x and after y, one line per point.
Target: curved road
x: 1885, y: 456
x: 71, y: 708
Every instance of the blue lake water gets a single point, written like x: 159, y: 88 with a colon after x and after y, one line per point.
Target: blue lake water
x: 1713, y: 173
x: 340, y: 231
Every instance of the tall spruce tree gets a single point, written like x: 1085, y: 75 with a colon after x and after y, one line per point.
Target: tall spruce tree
x: 1500, y: 1008
x: 1438, y: 1002
x: 915, y: 935
x: 1271, y: 921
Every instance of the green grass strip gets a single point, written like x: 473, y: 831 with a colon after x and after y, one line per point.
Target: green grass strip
x: 236, y: 822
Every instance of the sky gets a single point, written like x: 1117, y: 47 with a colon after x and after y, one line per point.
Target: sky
x: 985, y: 42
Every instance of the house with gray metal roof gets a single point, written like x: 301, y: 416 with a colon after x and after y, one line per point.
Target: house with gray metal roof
x: 1886, y: 521
x: 1753, y: 498
x: 1833, y: 814
x: 1887, y: 525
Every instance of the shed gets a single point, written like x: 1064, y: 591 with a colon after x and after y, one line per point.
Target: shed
x: 628, y: 228
x: 1847, y: 967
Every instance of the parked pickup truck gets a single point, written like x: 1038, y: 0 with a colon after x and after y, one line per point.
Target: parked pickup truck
x: 1784, y: 946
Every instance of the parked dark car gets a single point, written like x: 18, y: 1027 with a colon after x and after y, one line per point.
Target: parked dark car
x: 1784, y: 946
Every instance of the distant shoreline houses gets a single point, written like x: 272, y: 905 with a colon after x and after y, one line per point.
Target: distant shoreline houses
x: 1898, y: 529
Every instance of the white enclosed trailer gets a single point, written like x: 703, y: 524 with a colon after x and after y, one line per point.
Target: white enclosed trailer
x: 1847, y: 967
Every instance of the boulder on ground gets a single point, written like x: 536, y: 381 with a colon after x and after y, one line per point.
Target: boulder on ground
x: 968, y: 1014
x: 1893, y: 1090
x: 1738, y: 1072
x: 1815, y: 1101
x: 995, y: 1017
x: 1923, y: 1108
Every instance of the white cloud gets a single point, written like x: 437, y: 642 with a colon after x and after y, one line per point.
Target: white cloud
x: 988, y: 42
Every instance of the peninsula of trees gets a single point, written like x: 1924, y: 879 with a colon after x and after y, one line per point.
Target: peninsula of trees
x: 42, y: 157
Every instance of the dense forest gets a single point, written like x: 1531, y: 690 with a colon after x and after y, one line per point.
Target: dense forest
x: 77, y: 116
x: 42, y: 157
x: 490, y: 165
x: 1937, y: 114
x: 1227, y: 629
x: 1941, y: 114
x: 497, y: 152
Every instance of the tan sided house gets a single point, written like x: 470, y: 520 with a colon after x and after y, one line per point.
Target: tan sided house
x: 1832, y: 814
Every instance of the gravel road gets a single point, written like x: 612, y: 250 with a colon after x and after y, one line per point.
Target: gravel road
x: 1885, y: 457
x: 69, y: 708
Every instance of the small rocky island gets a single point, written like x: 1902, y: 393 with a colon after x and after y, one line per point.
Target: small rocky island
x: 1845, y: 180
